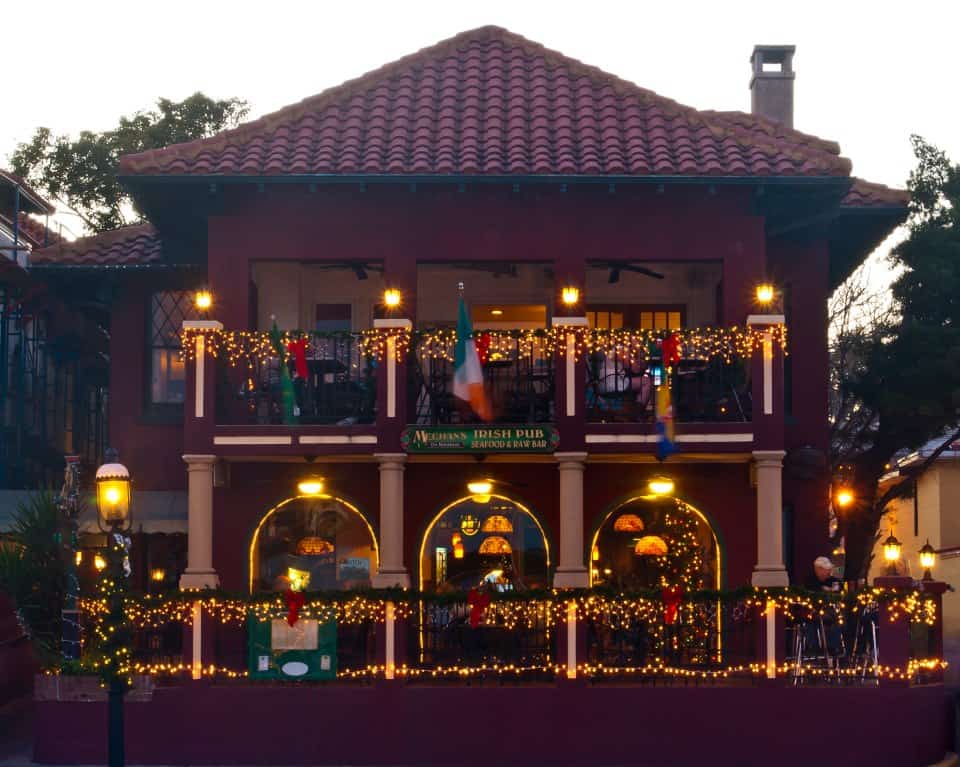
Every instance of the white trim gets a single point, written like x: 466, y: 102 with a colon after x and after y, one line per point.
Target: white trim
x: 569, y: 322
x: 196, y: 665
x: 392, y: 377
x: 253, y: 440
x: 766, y: 319
x: 771, y: 639
x: 601, y: 439
x: 571, y: 639
x: 198, y: 369
x: 202, y: 325
x: 768, y: 374
x: 338, y: 439
x: 393, y: 323
x: 390, y: 654
x: 571, y: 374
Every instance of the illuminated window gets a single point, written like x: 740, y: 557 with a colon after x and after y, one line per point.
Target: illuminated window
x: 660, y: 320
x: 168, y: 310
x: 616, y: 316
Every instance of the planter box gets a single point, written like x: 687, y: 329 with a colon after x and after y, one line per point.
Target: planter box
x: 86, y: 689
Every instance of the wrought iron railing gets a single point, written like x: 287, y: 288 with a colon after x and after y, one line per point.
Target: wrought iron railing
x: 339, y: 388
x: 518, y: 378
x: 623, y: 390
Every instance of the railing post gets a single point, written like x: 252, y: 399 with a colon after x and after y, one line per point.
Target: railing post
x: 893, y: 633
x: 571, y: 643
x: 570, y: 404
x: 770, y: 638
x: 936, y: 589
x: 767, y: 386
x: 391, y: 642
x: 391, y: 387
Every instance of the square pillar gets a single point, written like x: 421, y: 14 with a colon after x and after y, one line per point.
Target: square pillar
x: 199, y: 573
x: 769, y: 571
x: 571, y: 572
x: 392, y: 571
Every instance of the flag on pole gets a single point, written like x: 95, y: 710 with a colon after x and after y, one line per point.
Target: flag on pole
x: 666, y: 444
x: 287, y: 399
x: 467, y: 373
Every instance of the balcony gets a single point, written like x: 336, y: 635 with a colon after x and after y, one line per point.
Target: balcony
x: 360, y: 390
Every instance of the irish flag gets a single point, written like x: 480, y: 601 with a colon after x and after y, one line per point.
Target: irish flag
x: 467, y: 373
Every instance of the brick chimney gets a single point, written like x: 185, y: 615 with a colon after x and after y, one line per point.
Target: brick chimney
x: 771, y: 86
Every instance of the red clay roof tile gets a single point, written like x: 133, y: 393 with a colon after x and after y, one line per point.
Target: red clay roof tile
x: 490, y: 102
x: 864, y: 194
x: 136, y: 244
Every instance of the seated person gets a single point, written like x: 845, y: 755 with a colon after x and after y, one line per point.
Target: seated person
x: 823, y: 579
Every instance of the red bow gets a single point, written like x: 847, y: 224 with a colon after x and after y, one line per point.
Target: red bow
x: 295, y: 600
x: 671, y: 603
x: 482, y: 345
x: 298, y: 349
x: 478, y: 604
x: 671, y: 350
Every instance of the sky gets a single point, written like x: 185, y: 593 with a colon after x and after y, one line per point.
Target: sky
x: 868, y: 74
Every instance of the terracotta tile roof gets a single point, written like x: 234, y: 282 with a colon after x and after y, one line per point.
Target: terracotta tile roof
x: 490, y: 102
x: 864, y: 194
x: 136, y: 244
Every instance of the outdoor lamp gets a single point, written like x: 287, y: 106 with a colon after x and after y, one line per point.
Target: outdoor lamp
x: 570, y: 295
x: 480, y: 490
x: 203, y: 300
x: 99, y: 562
x: 891, y: 553
x: 928, y: 558
x: 844, y: 497
x: 660, y: 486
x: 158, y: 574
x: 765, y: 293
x: 310, y: 486
x: 113, y: 493
x: 391, y: 298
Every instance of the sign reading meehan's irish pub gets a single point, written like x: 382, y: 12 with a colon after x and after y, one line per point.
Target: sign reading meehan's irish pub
x: 480, y: 439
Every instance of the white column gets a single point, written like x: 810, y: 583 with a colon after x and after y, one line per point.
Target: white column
x: 769, y: 570
x: 390, y: 360
x: 570, y: 360
x: 199, y: 573
x: 392, y: 571
x: 571, y: 572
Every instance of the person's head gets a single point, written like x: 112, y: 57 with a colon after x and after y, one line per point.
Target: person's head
x: 823, y: 567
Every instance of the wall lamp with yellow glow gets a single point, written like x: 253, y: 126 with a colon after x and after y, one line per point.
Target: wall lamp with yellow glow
x: 891, y: 553
x: 391, y: 298
x: 844, y: 497
x: 660, y: 486
x: 203, y: 300
x: 570, y: 295
x: 311, y: 486
x: 765, y: 293
x: 928, y: 558
x: 480, y: 490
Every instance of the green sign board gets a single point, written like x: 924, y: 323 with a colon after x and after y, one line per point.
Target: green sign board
x: 480, y: 439
x: 306, y: 650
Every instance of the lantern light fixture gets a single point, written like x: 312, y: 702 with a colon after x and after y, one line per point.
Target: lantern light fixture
x: 570, y: 295
x: 203, y: 300
x: 158, y: 574
x: 891, y: 553
x: 312, y: 486
x: 765, y: 293
x: 113, y: 493
x: 78, y: 558
x: 496, y: 312
x: 928, y: 558
x: 480, y: 490
x: 99, y: 563
x: 660, y: 486
x: 844, y: 497
x: 391, y: 298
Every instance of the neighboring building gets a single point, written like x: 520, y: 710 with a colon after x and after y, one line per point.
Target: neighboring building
x: 494, y: 162
x: 928, y: 513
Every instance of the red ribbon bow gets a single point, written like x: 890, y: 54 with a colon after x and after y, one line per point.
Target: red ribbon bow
x: 671, y: 350
x: 671, y: 603
x: 295, y: 600
x: 298, y: 349
x: 478, y: 604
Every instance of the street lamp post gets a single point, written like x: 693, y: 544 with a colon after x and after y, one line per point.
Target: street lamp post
x: 113, y: 507
x: 67, y: 503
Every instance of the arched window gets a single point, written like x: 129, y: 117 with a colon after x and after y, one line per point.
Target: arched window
x: 649, y: 542
x: 320, y: 540
x: 484, y: 538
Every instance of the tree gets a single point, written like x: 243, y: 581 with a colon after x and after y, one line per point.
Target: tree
x: 896, y: 373
x: 82, y: 171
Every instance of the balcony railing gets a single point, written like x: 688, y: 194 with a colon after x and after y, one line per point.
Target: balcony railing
x: 623, y: 390
x: 518, y: 377
x: 340, y: 387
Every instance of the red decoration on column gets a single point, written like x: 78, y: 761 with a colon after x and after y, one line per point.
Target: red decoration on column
x: 483, y: 347
x: 298, y: 349
x: 671, y: 350
x: 295, y: 600
x: 671, y: 603
x: 479, y: 602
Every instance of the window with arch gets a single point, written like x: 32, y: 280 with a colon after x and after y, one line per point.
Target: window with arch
x: 323, y: 543
x: 650, y: 542
x: 484, y: 539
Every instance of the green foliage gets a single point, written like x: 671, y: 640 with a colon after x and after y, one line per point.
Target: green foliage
x: 32, y: 572
x: 906, y: 373
x: 82, y: 171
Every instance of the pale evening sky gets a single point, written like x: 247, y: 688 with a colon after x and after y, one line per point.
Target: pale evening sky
x: 868, y: 73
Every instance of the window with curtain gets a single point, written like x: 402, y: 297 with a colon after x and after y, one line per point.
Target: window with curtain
x: 168, y: 310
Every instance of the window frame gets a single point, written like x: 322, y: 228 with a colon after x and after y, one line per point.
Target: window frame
x: 161, y: 412
x: 631, y: 312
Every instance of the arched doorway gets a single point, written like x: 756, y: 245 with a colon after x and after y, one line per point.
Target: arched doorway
x: 648, y: 542
x: 322, y: 541
x: 489, y: 539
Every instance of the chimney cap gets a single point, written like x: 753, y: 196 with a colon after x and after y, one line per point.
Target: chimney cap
x: 773, y: 54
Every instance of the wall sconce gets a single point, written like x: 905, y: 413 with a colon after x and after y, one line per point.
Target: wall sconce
x: 391, y: 298
x: 99, y: 562
x: 660, y: 486
x: 310, y: 486
x: 844, y: 497
x: 158, y: 574
x: 570, y: 295
x: 203, y: 300
x: 765, y: 293
x: 480, y: 490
